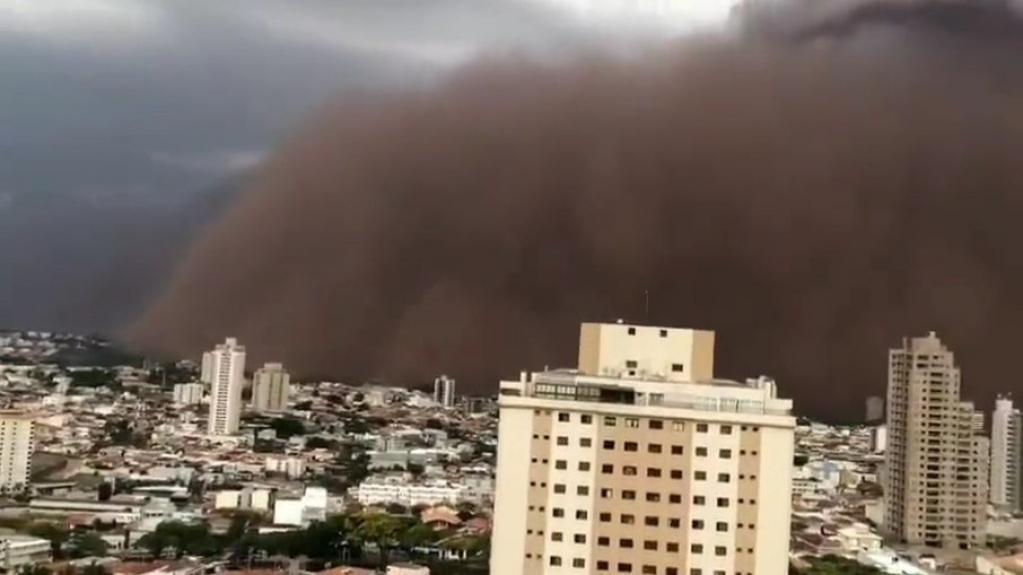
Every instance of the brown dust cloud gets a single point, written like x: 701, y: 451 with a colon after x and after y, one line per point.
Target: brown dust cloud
x: 813, y: 190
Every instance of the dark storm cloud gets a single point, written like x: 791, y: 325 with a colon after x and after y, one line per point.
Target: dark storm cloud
x: 813, y: 196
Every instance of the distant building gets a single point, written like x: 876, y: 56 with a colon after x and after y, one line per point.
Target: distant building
x: 293, y: 467
x: 936, y: 462
x: 17, y: 445
x: 875, y: 409
x: 300, y: 511
x: 271, y: 386
x: 879, y: 438
x: 188, y: 393
x: 228, y: 372
x: 18, y: 551
x: 1005, y: 454
x: 400, y: 491
x: 206, y: 373
x: 444, y: 391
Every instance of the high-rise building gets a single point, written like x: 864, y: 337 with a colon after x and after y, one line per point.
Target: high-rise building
x: 188, y: 393
x: 271, y: 386
x: 1005, y: 454
x: 228, y: 372
x: 875, y: 409
x: 17, y: 445
x: 206, y: 373
x: 640, y: 462
x: 936, y: 462
x: 444, y: 391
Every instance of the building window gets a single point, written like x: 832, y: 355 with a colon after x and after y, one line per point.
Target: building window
x: 631, y: 364
x: 676, y: 450
x: 562, y: 440
x: 631, y: 422
x: 726, y: 430
x: 649, y: 570
x: 721, y: 527
x: 610, y: 421
x: 650, y: 545
x: 557, y: 512
x: 720, y: 551
x: 696, y: 548
x: 562, y: 416
x: 585, y: 442
x: 603, y: 541
x: 671, y: 547
x: 606, y: 493
x: 664, y: 333
x: 697, y: 524
x: 602, y: 566
x: 674, y: 498
x: 654, y: 448
x: 695, y: 571
x: 609, y: 444
x: 724, y: 478
x: 582, y: 490
x: 700, y: 475
x: 722, y: 502
x: 655, y: 424
x: 629, y: 470
x: 725, y: 454
x: 629, y: 495
x: 651, y: 521
x: 677, y: 367
x: 631, y: 446
x: 584, y: 466
x: 653, y: 472
x: 605, y: 517
x: 701, y: 452
x: 586, y: 419
x: 653, y: 497
x: 699, y: 500
x: 578, y: 563
x: 560, y: 464
x: 559, y: 488
x: 676, y: 474
x: 579, y: 538
x: 632, y: 331
x: 625, y: 543
x: 607, y: 468
x: 625, y: 567
x: 556, y: 536
x: 581, y: 514
x: 701, y: 428
x: 555, y: 561
x: 628, y: 519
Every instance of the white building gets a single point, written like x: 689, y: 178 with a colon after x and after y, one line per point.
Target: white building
x: 188, y: 393
x: 20, y: 550
x: 290, y: 466
x: 300, y: 511
x: 878, y: 438
x: 206, y: 374
x: 17, y: 444
x: 444, y: 391
x: 228, y: 365
x: 271, y: 386
x: 400, y: 491
x: 1005, y: 454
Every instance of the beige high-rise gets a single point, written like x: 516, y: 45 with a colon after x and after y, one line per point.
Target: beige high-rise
x: 936, y: 461
x: 271, y: 386
x: 640, y: 462
x: 17, y: 445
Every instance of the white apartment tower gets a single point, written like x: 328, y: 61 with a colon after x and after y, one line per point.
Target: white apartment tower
x: 17, y: 444
x: 188, y: 393
x: 639, y: 461
x: 206, y: 374
x: 444, y: 391
x: 1005, y: 454
x: 936, y: 461
x: 228, y: 373
x: 271, y: 386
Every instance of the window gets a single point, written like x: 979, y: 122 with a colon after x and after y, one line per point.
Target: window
x: 631, y: 446
x: 631, y: 422
x: 721, y: 527
x: 701, y: 428
x: 651, y: 521
x: 603, y: 541
x: 629, y: 495
x: 696, y: 548
x: 629, y: 470
x: 632, y: 331
x: 699, y: 500
x: 653, y: 497
x: 671, y: 548
x: 585, y: 442
x: 675, y: 523
x: 609, y: 444
x: 602, y: 566
x: 726, y: 430
x: 560, y: 464
x: 654, y: 448
x: 584, y: 466
x: 677, y: 367
x: 605, y: 517
x: 631, y: 364
x: 695, y: 571
x: 625, y: 543
x: 625, y: 567
x: 700, y: 475
x: 653, y: 472
x: 676, y: 474
x: 676, y: 450
x: 675, y: 498
x: 586, y: 419
x: 649, y: 570
x: 697, y: 524
x: 555, y: 560
x: 556, y: 536
x: 562, y: 416
x: 610, y: 421
x: 606, y: 493
x: 581, y: 514
x: 720, y: 551
x: 722, y: 502
x: 678, y: 425
x: 559, y: 488
x: 628, y: 519
x: 655, y: 424
x: 664, y: 333
x: 724, y: 478
x: 650, y: 545
x: 582, y: 490
x: 558, y: 512
x: 562, y: 440
x: 578, y: 563
x: 725, y: 454
x: 579, y: 538
x: 701, y: 452
x: 607, y: 468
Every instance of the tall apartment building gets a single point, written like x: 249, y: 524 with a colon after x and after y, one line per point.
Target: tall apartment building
x: 874, y: 409
x: 1005, y: 454
x: 936, y: 462
x: 228, y: 374
x: 206, y: 373
x: 17, y: 445
x: 188, y: 393
x: 640, y: 462
x: 271, y: 386
x: 444, y: 391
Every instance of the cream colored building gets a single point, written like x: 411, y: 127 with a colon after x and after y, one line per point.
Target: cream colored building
x: 17, y: 444
x: 1005, y: 454
x: 936, y: 461
x: 640, y: 462
x: 228, y: 377
x: 271, y: 386
x: 188, y: 393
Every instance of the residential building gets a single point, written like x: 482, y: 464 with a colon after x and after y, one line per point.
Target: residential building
x: 271, y: 386
x: 444, y: 391
x: 228, y: 371
x: 875, y: 409
x: 293, y: 467
x: 400, y: 491
x: 936, y: 463
x: 17, y: 445
x: 639, y: 461
x: 1005, y: 454
x: 188, y: 393
x: 18, y: 551
x: 206, y: 372
x: 300, y: 511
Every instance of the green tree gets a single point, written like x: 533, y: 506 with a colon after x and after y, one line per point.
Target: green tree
x: 88, y: 544
x: 418, y: 535
x: 55, y: 534
x: 35, y: 569
x: 383, y: 531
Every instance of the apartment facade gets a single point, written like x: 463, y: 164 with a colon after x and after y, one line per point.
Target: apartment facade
x: 17, y: 445
x: 271, y: 387
x: 1005, y: 454
x: 444, y: 391
x: 627, y: 466
x: 936, y: 461
x: 188, y: 393
x: 228, y: 374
